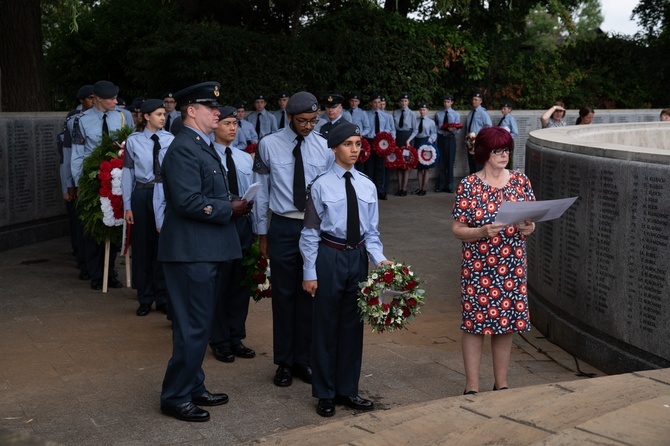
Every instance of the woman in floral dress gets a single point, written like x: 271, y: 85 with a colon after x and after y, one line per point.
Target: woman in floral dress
x: 493, y: 271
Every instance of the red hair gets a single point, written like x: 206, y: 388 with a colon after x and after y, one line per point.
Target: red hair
x: 489, y: 139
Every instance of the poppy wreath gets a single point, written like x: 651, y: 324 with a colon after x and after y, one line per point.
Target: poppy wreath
x: 470, y: 142
x: 100, y: 203
x: 395, y: 160
x: 364, y: 155
x: 411, y: 158
x: 451, y: 125
x: 257, y: 279
x: 390, y: 298
x: 251, y: 148
x: 383, y: 143
x: 428, y: 155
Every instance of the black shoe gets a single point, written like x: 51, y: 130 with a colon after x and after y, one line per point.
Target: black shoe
x: 325, y: 407
x: 210, y: 399
x: 398, y: 193
x: 186, y: 412
x: 403, y: 193
x: 84, y: 275
x: 303, y: 371
x: 502, y: 388
x: 450, y: 190
x: 355, y: 402
x: 469, y: 392
x: 143, y: 309
x: 96, y: 285
x: 416, y: 192
x: 438, y: 190
x: 241, y: 351
x: 422, y: 193
x: 161, y: 307
x: 223, y: 354
x: 114, y: 283
x: 283, y: 377
x: 382, y: 197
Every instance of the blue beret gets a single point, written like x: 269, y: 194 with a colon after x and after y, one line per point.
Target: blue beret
x: 302, y: 102
x: 354, y: 96
x: 105, y: 89
x: 227, y: 112
x: 150, y: 105
x: 507, y: 104
x: 85, y: 91
x: 205, y: 93
x: 338, y: 134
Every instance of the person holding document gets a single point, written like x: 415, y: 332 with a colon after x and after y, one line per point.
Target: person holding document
x: 493, y: 272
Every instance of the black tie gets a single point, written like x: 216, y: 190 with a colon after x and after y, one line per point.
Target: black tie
x: 167, y: 123
x: 353, y: 220
x: 232, y: 173
x: 377, y: 125
x: 421, y: 125
x: 105, y: 129
x: 258, y: 125
x: 472, y: 118
x: 401, y: 123
x: 157, y: 166
x: 501, y: 121
x: 282, y: 123
x: 299, y: 190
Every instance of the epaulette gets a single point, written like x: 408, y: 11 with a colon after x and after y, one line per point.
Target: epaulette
x: 321, y: 135
x: 77, y: 137
x: 308, y: 189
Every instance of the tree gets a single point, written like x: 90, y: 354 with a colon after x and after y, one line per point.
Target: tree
x: 23, y: 86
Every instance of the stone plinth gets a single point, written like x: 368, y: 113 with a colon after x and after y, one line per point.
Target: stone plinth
x: 599, y: 277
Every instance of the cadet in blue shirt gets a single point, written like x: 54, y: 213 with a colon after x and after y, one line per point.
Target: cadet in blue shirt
x: 141, y: 172
x: 425, y: 133
x: 446, y: 144
x: 358, y: 116
x: 477, y: 119
x: 405, y: 131
x: 171, y: 113
x: 246, y: 134
x: 263, y: 121
x: 280, y: 114
x: 284, y: 164
x: 375, y: 167
x: 86, y: 136
x: 340, y: 234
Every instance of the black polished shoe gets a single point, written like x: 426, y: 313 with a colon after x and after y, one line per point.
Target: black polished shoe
x: 283, y: 377
x: 84, y: 276
x: 143, y: 309
x: 450, y: 190
x: 223, y: 354
x: 355, y: 402
x: 186, y: 412
x: 398, y: 193
x: 161, y: 307
x: 241, y: 351
x: 96, y: 285
x: 382, y: 197
x: 469, y: 392
x: 422, y: 193
x: 325, y: 407
x: 210, y: 399
x: 303, y: 371
x: 114, y: 283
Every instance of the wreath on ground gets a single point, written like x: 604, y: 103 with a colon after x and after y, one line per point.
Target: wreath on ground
x: 410, y: 157
x: 390, y: 298
x: 428, y: 155
x: 383, y: 144
x: 257, y: 279
x: 364, y: 155
x: 99, y: 199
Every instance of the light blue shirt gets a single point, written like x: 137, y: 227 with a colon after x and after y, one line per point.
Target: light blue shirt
x: 159, y: 195
x: 273, y: 168
x: 243, y: 165
x: 360, y: 118
x: 278, y: 114
x: 327, y: 212
x: 447, y: 116
x: 477, y: 119
x: 386, y: 123
x: 138, y: 161
x: 174, y: 115
x: 88, y: 136
x: 268, y: 122
x: 409, y: 123
x: 429, y: 130
x: 246, y: 134
x: 509, y: 123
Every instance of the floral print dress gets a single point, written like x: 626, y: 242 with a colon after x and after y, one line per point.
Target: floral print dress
x: 493, y: 271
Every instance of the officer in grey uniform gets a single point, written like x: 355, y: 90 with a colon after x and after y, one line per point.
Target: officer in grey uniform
x: 334, y: 114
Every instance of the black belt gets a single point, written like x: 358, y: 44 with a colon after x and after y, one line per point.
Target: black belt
x: 144, y: 185
x: 339, y: 243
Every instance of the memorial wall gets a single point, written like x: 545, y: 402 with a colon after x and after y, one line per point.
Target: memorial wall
x: 599, y: 277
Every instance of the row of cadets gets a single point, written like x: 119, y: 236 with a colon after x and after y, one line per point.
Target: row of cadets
x: 375, y: 167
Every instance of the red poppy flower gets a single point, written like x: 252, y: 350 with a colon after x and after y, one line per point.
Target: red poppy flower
x: 491, y: 260
x: 503, y: 269
x: 383, y: 144
x: 494, y: 312
x: 520, y: 306
x: 485, y: 281
x: 364, y: 154
x: 483, y: 300
x: 105, y: 166
x: 506, y: 304
x: 104, y: 175
x: 480, y: 316
x: 508, y: 284
x: 503, y: 321
x: 116, y: 163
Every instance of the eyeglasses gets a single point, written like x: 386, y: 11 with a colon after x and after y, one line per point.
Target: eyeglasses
x: 500, y: 151
x: 302, y: 122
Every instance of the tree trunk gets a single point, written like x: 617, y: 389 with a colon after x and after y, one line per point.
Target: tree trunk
x: 23, y: 84
x: 402, y: 7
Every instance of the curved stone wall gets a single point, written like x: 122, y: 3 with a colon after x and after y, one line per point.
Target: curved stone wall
x: 599, y: 277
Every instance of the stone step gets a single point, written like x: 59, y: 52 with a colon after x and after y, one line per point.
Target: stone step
x: 574, y: 412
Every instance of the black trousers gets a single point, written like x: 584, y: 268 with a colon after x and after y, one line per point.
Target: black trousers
x: 375, y: 169
x: 447, y: 147
x: 232, y: 306
x: 291, y: 305
x: 337, y: 345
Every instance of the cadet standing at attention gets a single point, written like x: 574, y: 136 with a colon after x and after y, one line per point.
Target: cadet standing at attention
x: 280, y: 113
x: 263, y: 121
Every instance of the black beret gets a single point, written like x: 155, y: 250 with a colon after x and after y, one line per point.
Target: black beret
x: 120, y: 101
x: 85, y: 92
x: 354, y: 96
x: 239, y: 105
x: 105, y: 89
x: 283, y: 94
x: 332, y: 100
x: 227, y: 112
x: 338, y: 134
x: 383, y: 98
x: 424, y: 105
x: 374, y: 96
x: 150, y: 105
x: 507, y: 104
x: 260, y: 96
x: 136, y: 105
x: 404, y: 96
x: 477, y: 95
x: 168, y: 95
x: 302, y: 102
x: 448, y: 97
x: 205, y: 93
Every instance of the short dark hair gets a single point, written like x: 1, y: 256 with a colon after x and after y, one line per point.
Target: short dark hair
x: 489, y: 139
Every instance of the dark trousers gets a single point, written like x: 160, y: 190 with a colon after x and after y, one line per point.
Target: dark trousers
x: 193, y: 290
x: 81, y: 244
x: 291, y: 305
x: 95, y: 259
x: 337, y: 345
x: 447, y: 147
x: 472, y: 165
x: 375, y: 169
x: 148, y: 275
x: 72, y: 223
x: 232, y: 306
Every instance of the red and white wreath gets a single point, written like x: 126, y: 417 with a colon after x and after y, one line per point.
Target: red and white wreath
x: 394, y: 159
x: 365, y: 151
x: 410, y: 156
x: 383, y: 144
x: 428, y: 155
x: 111, y: 200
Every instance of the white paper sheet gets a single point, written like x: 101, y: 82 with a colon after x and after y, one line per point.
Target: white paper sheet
x: 251, y: 191
x: 515, y: 212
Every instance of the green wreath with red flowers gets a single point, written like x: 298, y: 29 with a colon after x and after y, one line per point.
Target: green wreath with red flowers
x: 257, y: 279
x: 390, y: 298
